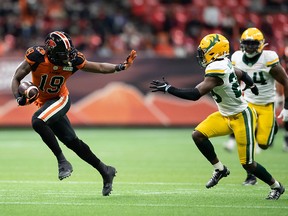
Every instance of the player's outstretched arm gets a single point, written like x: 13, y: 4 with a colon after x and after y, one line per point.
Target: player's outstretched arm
x: 187, y: 93
x: 101, y: 67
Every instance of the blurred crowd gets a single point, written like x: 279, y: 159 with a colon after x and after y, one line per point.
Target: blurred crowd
x: 168, y: 28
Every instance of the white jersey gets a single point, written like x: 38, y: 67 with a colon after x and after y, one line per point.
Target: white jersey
x: 228, y: 96
x: 259, y: 72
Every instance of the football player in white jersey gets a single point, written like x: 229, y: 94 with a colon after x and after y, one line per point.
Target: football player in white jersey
x: 265, y: 69
x: 279, y: 104
x: 233, y: 115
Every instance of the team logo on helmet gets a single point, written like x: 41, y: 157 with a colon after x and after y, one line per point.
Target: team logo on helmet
x: 51, y: 43
x: 215, y: 39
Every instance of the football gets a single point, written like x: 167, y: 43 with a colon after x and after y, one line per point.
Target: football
x: 28, y: 89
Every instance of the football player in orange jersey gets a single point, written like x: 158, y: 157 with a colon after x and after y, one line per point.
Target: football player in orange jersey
x: 51, y: 65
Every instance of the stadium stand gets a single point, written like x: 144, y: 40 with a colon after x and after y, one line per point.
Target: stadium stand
x: 104, y: 28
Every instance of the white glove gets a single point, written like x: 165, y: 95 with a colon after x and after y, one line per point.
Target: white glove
x: 284, y: 115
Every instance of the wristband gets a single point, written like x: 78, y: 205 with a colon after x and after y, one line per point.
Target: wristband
x: 119, y: 67
x: 167, y: 87
x: 286, y: 103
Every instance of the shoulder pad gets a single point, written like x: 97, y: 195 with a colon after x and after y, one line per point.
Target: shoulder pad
x: 35, y: 54
x: 271, y: 58
x: 216, y: 68
x: 236, y: 55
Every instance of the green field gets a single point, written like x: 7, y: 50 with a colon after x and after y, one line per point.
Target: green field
x: 160, y: 172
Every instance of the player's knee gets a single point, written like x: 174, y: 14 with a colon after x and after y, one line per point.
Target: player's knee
x: 37, y: 124
x: 198, y: 136
x: 249, y: 167
x: 195, y: 136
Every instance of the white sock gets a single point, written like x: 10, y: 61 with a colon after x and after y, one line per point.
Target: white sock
x: 218, y: 166
x: 275, y: 185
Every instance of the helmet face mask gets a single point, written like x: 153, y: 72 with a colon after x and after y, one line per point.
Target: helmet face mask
x: 212, y: 47
x: 60, y: 49
x: 200, y: 57
x: 252, y: 42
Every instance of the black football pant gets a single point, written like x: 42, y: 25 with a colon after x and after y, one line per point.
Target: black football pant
x: 58, y: 125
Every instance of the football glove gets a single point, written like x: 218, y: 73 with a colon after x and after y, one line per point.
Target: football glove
x: 127, y: 63
x: 21, y: 100
x: 130, y: 58
x: 157, y: 85
x: 253, y: 89
x: 283, y: 115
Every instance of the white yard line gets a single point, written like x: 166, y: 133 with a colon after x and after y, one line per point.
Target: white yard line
x: 142, y: 205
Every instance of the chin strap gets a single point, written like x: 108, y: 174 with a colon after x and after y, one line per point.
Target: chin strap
x: 266, y: 44
x: 251, y: 55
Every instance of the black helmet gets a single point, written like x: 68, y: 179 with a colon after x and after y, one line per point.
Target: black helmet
x: 59, y: 48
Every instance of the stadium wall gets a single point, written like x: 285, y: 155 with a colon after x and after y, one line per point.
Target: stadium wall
x: 122, y: 99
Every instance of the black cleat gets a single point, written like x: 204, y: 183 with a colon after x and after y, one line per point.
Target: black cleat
x: 275, y: 193
x: 250, y: 180
x: 217, y: 175
x: 65, y: 170
x: 108, y: 180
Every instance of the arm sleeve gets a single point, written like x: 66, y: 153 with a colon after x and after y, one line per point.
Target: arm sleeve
x: 188, y: 94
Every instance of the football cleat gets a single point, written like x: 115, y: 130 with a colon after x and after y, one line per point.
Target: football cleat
x: 275, y: 193
x: 65, y: 170
x: 108, y: 180
x: 250, y: 180
x: 217, y: 175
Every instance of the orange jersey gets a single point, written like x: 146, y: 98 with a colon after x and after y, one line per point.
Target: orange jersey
x: 49, y: 78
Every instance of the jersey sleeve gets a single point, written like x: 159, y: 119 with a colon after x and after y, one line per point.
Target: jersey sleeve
x: 272, y: 58
x: 215, y: 70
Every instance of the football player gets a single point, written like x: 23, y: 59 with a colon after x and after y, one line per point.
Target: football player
x: 233, y: 115
x: 279, y: 103
x: 265, y: 69
x: 51, y: 65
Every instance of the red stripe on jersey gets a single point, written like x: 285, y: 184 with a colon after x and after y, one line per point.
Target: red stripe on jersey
x: 65, y: 40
